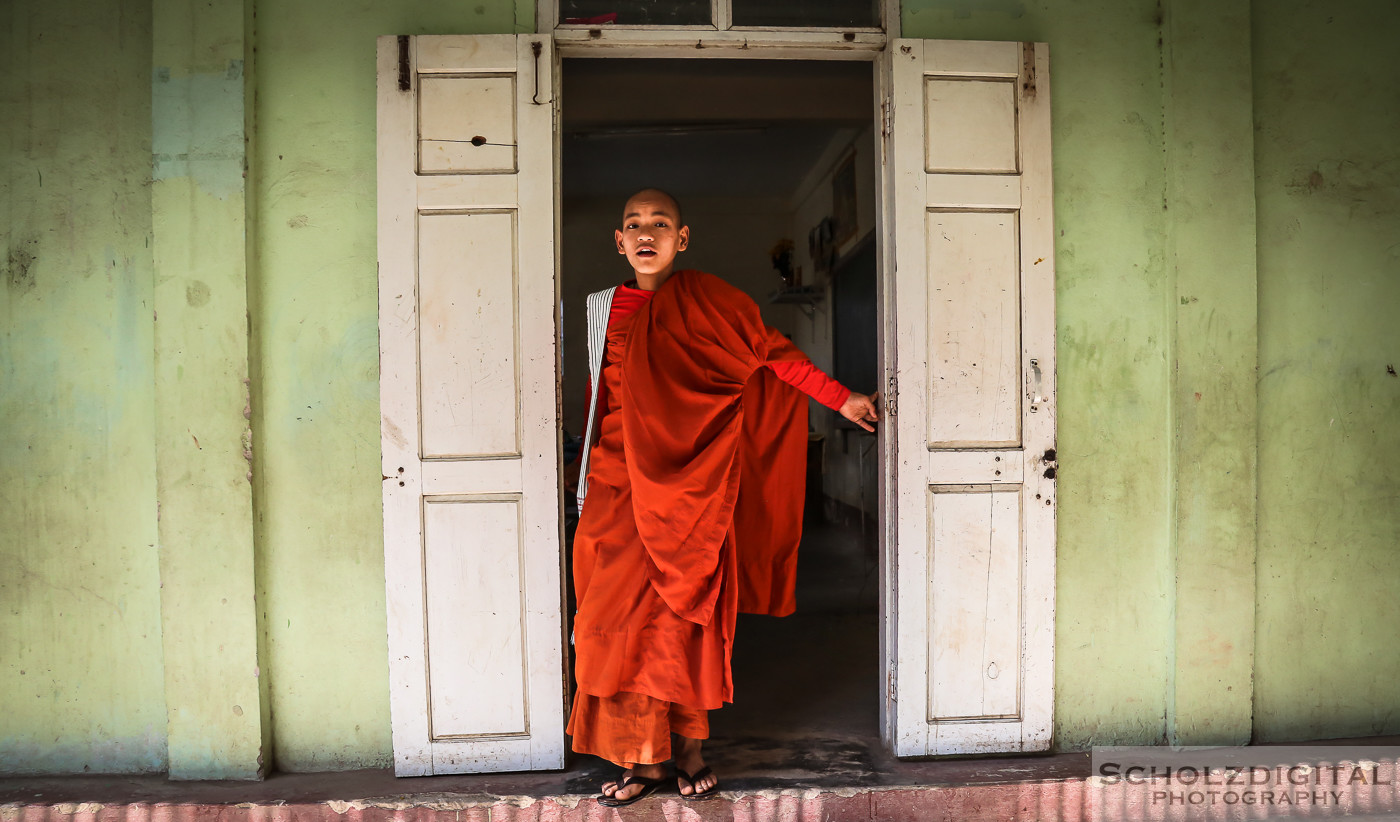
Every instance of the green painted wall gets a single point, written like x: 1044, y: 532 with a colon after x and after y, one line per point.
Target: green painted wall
x: 1211, y: 267
x: 81, y: 680
x: 314, y: 302
x: 1327, y: 116
x: 1147, y: 175
x: 214, y: 689
x: 1113, y: 597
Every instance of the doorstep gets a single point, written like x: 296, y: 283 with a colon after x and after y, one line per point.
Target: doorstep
x: 1033, y: 787
x: 1046, y: 788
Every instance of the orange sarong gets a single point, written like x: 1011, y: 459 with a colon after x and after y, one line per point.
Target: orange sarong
x: 632, y: 729
x: 693, y: 514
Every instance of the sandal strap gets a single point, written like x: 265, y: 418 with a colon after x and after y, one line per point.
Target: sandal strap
x: 644, y: 781
x: 697, y: 776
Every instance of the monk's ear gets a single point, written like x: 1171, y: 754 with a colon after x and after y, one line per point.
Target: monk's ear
x: 617, y: 236
x: 684, y: 235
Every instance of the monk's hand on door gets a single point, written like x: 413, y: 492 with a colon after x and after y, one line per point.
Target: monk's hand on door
x: 861, y: 410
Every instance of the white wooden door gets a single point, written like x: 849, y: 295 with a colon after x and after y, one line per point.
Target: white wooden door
x: 971, y: 651
x: 467, y: 308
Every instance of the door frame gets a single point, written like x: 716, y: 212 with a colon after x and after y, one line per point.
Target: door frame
x: 810, y: 44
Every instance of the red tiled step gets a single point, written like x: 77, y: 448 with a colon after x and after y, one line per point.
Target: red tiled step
x: 1044, y: 801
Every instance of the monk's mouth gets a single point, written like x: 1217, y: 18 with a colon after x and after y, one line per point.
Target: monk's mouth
x: 645, y: 252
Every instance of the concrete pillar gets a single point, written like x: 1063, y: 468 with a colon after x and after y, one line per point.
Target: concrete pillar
x: 216, y: 697
x: 1209, y: 141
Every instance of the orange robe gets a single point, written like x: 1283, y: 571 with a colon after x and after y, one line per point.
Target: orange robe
x: 693, y: 514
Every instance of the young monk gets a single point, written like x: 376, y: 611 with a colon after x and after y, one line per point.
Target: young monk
x: 693, y: 504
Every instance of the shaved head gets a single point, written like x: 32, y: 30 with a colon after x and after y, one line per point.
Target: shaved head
x: 652, y: 195
x: 651, y: 236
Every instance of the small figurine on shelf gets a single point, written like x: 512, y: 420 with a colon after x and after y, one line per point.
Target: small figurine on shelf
x: 781, y: 254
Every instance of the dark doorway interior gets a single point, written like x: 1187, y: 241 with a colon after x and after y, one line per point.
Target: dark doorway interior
x: 759, y: 153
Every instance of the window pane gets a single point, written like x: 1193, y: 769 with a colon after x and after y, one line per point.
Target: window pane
x: 636, y: 12
x: 832, y: 13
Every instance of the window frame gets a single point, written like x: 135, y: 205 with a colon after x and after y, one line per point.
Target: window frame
x: 722, y: 34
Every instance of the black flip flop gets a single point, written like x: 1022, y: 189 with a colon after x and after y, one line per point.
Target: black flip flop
x: 694, y: 795
x: 649, y: 787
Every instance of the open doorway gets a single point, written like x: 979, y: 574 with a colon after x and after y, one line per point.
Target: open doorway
x: 469, y: 151
x: 775, y: 164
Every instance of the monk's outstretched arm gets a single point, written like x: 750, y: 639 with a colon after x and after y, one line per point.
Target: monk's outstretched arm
x: 796, y: 369
x: 812, y: 381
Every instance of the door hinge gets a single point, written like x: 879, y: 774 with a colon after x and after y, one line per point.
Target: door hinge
x: 887, y: 118
x: 1028, y: 69
x: 889, y: 401
x: 405, y: 76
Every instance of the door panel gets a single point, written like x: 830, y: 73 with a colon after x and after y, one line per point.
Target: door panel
x: 469, y: 340
x: 477, y: 679
x: 468, y: 369
x: 974, y: 326
x: 984, y: 137
x: 971, y: 653
x: 466, y: 125
x: 974, y: 624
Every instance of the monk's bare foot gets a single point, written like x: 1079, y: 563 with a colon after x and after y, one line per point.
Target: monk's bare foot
x: 614, y: 789
x: 688, y: 759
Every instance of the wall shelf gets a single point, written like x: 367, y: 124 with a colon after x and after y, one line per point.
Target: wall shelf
x: 805, y: 297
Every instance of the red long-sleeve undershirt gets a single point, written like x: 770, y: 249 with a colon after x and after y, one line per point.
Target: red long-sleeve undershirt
x: 802, y: 375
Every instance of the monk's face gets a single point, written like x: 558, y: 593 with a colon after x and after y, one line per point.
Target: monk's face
x: 651, y: 235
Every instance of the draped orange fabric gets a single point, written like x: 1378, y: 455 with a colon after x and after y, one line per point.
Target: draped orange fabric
x: 695, y: 500
x: 630, y: 729
x: 693, y: 377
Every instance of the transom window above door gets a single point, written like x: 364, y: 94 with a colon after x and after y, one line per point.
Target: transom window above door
x: 722, y: 15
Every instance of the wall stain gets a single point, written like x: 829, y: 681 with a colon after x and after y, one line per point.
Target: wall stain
x: 197, y: 293
x: 19, y: 267
x: 1366, y: 187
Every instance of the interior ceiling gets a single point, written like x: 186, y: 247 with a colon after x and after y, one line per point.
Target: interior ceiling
x: 704, y: 128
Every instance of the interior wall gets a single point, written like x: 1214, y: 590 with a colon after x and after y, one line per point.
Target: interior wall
x: 81, y: 674
x: 1113, y: 607
x: 729, y: 237
x: 1328, y: 193
x: 848, y: 477
x: 314, y: 295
